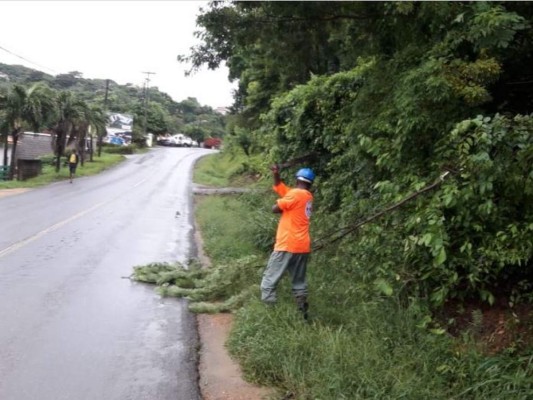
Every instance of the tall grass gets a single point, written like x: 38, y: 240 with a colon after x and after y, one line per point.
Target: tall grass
x: 361, y: 346
x: 231, y: 168
x: 226, y: 228
x: 215, y: 170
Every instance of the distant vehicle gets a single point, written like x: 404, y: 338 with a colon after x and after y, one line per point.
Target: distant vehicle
x: 180, y: 140
x: 177, y: 140
x: 212, y: 143
x: 117, y: 141
x: 163, y: 141
x: 187, y: 141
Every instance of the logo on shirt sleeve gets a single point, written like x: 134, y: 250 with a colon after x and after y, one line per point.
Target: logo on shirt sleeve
x: 308, y: 209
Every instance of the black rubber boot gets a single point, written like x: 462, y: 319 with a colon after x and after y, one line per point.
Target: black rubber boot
x: 303, y: 306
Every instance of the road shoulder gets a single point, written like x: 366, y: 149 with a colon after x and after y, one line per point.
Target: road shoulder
x: 220, y: 376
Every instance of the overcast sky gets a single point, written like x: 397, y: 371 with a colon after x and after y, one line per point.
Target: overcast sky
x: 116, y: 40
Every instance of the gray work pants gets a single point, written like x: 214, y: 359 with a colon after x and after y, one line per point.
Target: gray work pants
x: 280, y: 261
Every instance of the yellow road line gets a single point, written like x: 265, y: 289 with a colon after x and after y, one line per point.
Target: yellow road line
x: 52, y: 228
x: 24, y: 242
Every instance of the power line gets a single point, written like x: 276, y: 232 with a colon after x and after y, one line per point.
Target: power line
x: 25, y: 59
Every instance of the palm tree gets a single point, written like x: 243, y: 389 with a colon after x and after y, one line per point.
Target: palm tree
x: 92, y: 118
x: 23, y: 107
x: 70, y: 111
x: 4, y: 130
x: 98, y: 120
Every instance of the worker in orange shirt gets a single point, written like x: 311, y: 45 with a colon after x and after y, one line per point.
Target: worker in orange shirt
x: 293, y: 242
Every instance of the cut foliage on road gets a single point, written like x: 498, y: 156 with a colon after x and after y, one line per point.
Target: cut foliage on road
x: 222, y: 288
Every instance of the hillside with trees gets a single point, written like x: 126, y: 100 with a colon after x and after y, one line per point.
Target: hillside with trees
x: 417, y: 118
x: 74, y: 109
x: 164, y: 115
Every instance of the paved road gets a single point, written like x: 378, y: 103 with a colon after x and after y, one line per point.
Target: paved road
x: 71, y: 326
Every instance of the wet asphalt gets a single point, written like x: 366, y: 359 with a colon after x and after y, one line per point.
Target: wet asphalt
x: 72, y: 324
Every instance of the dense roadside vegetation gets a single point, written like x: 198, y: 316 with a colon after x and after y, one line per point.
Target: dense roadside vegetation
x: 417, y: 119
x: 360, y: 344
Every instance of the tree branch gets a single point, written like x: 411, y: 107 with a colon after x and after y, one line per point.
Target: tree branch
x: 351, y: 228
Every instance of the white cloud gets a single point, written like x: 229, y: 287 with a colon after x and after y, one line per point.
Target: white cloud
x: 116, y: 40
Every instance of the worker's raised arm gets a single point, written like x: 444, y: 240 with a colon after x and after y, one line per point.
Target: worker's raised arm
x: 275, y: 174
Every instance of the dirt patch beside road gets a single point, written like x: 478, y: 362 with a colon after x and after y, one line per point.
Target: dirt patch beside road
x: 220, y: 376
x: 11, y: 192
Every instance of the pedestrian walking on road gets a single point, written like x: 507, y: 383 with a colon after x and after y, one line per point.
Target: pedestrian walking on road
x: 73, y: 160
x: 293, y: 242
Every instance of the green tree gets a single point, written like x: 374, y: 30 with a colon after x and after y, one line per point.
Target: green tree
x: 97, y: 119
x: 91, y: 119
x: 66, y: 81
x: 188, y: 109
x: 23, y: 108
x: 273, y: 46
x: 69, y: 112
x: 155, y: 116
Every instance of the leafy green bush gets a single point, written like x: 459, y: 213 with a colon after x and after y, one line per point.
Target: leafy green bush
x: 114, y: 149
x: 486, y: 217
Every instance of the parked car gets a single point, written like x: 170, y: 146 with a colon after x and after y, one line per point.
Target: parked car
x: 176, y: 140
x: 187, y: 141
x: 163, y: 141
x: 181, y: 140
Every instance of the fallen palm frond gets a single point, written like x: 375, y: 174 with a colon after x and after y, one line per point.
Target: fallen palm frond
x: 220, y: 288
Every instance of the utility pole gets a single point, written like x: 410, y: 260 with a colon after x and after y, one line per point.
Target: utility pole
x: 100, y: 136
x: 106, y: 93
x: 146, y: 85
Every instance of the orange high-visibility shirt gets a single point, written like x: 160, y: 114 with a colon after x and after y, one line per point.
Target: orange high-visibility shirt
x: 293, y: 229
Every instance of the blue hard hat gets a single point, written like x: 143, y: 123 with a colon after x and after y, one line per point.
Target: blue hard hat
x: 306, y: 175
